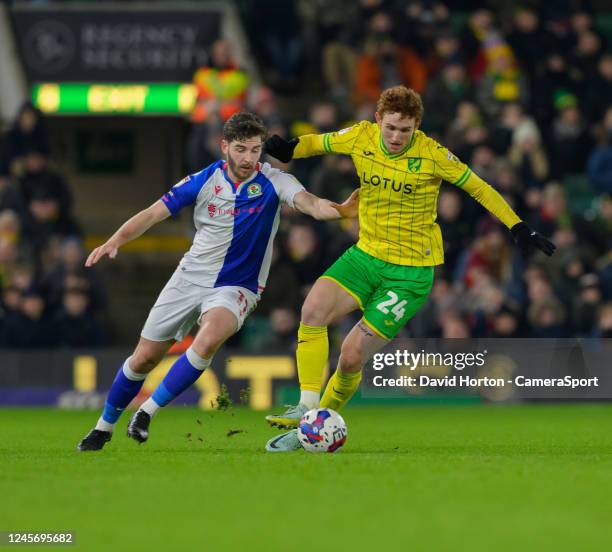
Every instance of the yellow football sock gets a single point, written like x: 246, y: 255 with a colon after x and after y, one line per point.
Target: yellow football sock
x: 311, y: 356
x: 340, y: 388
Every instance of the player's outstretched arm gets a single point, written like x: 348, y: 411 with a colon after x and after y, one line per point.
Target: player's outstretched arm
x: 449, y: 168
x: 134, y: 227
x: 309, y: 145
x: 323, y: 209
x: 524, y: 237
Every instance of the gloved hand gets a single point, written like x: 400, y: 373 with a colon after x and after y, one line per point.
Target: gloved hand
x: 280, y: 148
x: 525, y: 238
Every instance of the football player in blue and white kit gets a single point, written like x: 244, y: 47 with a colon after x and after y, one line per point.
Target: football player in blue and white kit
x: 219, y: 280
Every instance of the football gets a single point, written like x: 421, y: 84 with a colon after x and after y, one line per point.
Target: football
x: 322, y: 430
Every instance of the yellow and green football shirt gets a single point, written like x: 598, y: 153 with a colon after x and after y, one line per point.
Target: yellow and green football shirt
x: 399, y: 192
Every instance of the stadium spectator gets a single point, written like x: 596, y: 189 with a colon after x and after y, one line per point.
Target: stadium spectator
x: 598, y: 93
x: 455, y: 229
x: 305, y: 252
x: 262, y: 101
x: 446, y: 50
x: 585, y: 56
x: 335, y: 178
x: 546, y: 314
x: 502, y: 82
x: 490, y: 256
x: 528, y: 39
x: 602, y: 222
x: 338, y: 32
x: 570, y: 139
x: 340, y: 241
x: 8, y: 259
x: 203, y: 145
x: 27, y: 134
x: 484, y: 161
x: 65, y: 270
x: 283, y: 326
x: 556, y: 80
x: 385, y: 63
x: 39, y: 181
x: 424, y: 21
x: 221, y: 86
x: 75, y: 325
x: 479, y: 23
x: 10, y: 226
x: 454, y: 326
x: 527, y: 154
x: 445, y: 297
x: 30, y: 327
x: 466, y: 130
x: 508, y: 184
x: 604, y: 321
x: 507, y: 322
x: 585, y: 305
x: 221, y: 90
x: 45, y: 219
x: 10, y: 198
x: 443, y: 94
x: 283, y: 287
x: 555, y: 218
x: 322, y: 117
x: 277, y: 35
x: 11, y: 300
x: 599, y: 166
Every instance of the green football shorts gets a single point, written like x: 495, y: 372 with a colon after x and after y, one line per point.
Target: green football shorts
x: 388, y: 294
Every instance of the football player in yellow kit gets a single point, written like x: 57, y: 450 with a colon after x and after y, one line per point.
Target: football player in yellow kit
x: 388, y: 274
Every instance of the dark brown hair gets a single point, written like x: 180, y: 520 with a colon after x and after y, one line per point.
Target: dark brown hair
x: 402, y: 100
x: 242, y: 126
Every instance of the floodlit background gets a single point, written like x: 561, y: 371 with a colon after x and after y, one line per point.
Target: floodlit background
x: 104, y: 106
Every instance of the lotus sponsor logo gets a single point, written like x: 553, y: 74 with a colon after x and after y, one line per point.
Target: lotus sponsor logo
x: 384, y: 183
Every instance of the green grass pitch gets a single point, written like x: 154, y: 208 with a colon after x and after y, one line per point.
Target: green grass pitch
x: 425, y: 477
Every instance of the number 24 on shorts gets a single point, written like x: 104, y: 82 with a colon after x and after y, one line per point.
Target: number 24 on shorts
x: 398, y: 307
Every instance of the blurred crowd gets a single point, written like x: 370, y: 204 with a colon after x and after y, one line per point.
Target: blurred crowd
x: 47, y: 297
x: 522, y: 93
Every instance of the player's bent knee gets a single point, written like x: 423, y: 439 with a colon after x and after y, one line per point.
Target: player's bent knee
x: 206, y: 346
x: 143, y: 363
x: 315, y: 313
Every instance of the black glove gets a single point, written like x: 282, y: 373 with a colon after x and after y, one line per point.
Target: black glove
x: 280, y: 148
x: 525, y: 238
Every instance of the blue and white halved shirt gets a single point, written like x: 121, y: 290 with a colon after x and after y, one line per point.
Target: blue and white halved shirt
x: 235, y: 224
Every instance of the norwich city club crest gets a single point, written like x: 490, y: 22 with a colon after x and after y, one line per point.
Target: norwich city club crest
x: 414, y: 164
x: 254, y: 190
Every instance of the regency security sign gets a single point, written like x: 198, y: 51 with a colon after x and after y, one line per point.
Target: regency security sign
x: 129, y: 43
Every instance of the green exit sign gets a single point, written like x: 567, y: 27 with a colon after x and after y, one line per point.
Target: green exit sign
x: 114, y: 99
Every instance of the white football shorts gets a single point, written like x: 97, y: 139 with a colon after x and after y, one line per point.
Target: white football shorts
x: 181, y: 304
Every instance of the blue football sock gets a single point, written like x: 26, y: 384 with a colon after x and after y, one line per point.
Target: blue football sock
x: 126, y: 386
x: 183, y: 373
